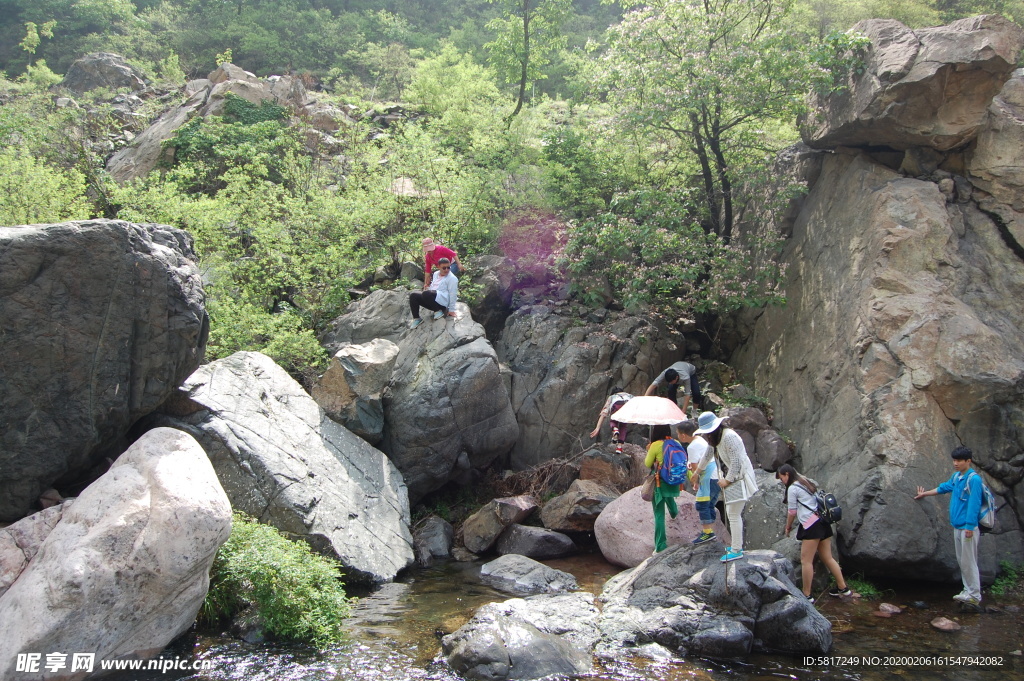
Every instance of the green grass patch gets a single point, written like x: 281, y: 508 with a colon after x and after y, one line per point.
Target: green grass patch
x: 862, y: 586
x: 297, y: 594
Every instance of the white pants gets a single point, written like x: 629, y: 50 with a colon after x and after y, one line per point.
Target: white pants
x: 734, y: 512
x: 967, y: 556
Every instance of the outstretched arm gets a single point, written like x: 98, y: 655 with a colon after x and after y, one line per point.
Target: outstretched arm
x: 921, y: 493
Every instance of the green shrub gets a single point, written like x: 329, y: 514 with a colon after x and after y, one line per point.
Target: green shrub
x: 1010, y: 579
x: 297, y: 594
x: 32, y: 192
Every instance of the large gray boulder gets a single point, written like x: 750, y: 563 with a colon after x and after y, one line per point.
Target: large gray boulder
x: 102, y: 70
x: 526, y: 638
x: 101, y: 321
x: 563, y: 370
x: 284, y: 462
x: 928, y: 87
x: 898, y: 342
x: 687, y: 600
x: 446, y: 412
x: 126, y: 569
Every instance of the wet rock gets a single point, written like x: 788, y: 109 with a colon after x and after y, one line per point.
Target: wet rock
x: 890, y: 608
x: 690, y: 602
x: 481, y: 530
x: 534, y: 542
x: 533, y: 638
x: 944, y: 624
x: 518, y: 574
x: 433, y: 539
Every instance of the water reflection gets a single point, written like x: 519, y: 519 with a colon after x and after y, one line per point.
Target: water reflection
x: 393, y: 636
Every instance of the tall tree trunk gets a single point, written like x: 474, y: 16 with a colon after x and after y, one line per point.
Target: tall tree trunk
x: 722, y: 170
x: 697, y: 132
x: 524, y: 61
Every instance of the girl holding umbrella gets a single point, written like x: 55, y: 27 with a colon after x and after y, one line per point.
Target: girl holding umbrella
x: 738, y: 484
x: 660, y: 413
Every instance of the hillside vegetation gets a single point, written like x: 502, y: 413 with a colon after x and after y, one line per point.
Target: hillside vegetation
x: 615, y: 144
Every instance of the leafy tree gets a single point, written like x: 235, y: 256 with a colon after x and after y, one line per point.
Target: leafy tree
x: 527, y: 34
x: 704, y: 77
x: 649, y: 249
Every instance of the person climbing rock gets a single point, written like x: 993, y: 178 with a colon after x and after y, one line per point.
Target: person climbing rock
x: 612, y: 405
x: 814, y: 533
x: 673, y: 378
x: 440, y: 297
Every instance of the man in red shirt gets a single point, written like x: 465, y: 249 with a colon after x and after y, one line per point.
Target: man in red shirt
x: 432, y: 253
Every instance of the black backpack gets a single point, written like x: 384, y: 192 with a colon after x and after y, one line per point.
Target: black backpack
x: 828, y: 508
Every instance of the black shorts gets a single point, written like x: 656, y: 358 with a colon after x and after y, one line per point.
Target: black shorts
x: 819, y: 530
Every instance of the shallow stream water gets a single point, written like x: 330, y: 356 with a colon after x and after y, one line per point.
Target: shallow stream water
x: 393, y: 636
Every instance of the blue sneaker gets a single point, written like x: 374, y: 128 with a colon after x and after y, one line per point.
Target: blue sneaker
x: 414, y: 323
x: 732, y: 554
x: 703, y: 537
x: 438, y: 315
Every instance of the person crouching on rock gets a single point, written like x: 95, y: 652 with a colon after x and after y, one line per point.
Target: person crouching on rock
x: 664, y: 493
x: 814, y: 533
x: 440, y: 297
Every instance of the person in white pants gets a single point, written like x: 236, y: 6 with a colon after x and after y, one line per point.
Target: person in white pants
x: 738, y: 483
x: 964, y: 488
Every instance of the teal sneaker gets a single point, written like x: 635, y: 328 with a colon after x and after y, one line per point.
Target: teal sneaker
x: 438, y: 315
x: 732, y: 555
x: 414, y: 323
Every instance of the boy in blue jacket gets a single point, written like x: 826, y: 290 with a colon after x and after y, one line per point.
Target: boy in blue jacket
x: 964, y: 486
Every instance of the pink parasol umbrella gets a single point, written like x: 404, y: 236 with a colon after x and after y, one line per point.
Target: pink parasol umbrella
x: 649, y: 410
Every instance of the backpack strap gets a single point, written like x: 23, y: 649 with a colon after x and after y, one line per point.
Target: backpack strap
x: 812, y: 510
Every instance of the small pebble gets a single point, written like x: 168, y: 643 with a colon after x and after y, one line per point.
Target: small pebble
x: 943, y: 624
x: 920, y: 605
x: 890, y: 608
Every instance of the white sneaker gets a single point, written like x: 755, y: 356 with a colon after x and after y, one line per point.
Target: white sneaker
x: 963, y: 597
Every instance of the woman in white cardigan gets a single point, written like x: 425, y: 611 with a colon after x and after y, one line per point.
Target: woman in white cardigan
x: 738, y: 483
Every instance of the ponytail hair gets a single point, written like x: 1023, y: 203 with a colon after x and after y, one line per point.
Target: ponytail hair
x: 793, y: 476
